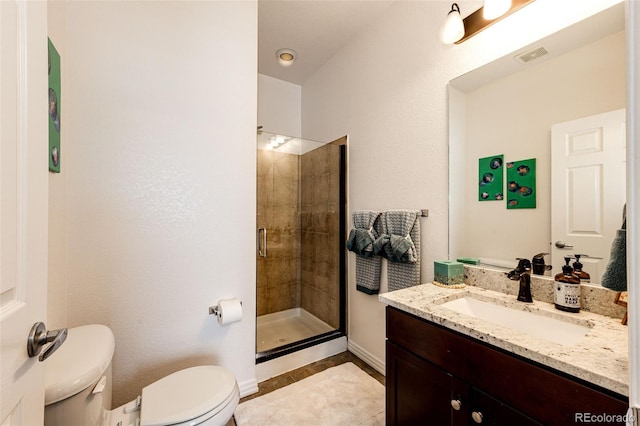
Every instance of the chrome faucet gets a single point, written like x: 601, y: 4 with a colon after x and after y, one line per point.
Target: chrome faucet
x: 522, y: 272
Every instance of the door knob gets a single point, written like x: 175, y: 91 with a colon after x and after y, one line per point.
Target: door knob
x: 562, y: 245
x: 39, y: 337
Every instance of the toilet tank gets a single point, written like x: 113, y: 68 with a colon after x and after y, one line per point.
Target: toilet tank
x: 78, y: 378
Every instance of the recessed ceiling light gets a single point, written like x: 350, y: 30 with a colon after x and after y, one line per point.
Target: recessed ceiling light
x: 286, y: 56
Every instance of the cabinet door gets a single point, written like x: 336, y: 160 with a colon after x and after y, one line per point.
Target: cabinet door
x: 486, y: 410
x: 418, y: 393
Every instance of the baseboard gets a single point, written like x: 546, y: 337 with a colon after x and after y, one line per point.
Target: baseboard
x: 281, y: 365
x: 248, y: 387
x: 366, y: 356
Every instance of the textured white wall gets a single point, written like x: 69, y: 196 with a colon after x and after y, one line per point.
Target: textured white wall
x: 58, y: 232
x: 279, y: 106
x: 161, y: 113
x: 387, y: 89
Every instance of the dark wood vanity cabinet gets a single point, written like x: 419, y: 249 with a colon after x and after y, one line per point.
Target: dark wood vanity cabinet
x: 437, y: 377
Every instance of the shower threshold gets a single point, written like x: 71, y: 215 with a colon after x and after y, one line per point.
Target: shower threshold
x: 287, y: 331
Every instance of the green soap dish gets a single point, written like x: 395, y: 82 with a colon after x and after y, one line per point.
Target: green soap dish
x: 469, y: 260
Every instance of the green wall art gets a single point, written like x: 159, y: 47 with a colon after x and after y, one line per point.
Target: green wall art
x: 521, y: 184
x: 54, y: 109
x: 491, y: 178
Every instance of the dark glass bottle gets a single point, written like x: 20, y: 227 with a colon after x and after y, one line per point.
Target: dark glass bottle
x: 567, y: 289
x: 577, y: 270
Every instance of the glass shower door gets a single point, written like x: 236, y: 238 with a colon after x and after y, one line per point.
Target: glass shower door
x: 298, y: 239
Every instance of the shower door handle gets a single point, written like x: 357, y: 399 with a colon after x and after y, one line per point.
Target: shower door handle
x: 262, y: 242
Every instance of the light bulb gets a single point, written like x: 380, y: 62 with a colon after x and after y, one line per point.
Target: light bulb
x: 453, y: 28
x: 495, y: 8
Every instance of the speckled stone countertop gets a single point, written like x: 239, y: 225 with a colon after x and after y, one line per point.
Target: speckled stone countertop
x: 600, y: 357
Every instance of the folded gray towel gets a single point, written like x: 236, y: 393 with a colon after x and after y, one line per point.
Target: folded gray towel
x: 395, y: 242
x: 615, y: 274
x: 361, y: 240
x: 363, y: 234
x: 399, y: 242
x: 366, y: 229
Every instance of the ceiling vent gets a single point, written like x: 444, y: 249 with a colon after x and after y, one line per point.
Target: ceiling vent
x: 531, y: 55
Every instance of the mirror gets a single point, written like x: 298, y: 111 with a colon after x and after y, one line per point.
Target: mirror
x: 508, y: 107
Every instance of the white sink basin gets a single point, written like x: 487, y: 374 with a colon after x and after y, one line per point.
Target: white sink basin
x: 534, y: 324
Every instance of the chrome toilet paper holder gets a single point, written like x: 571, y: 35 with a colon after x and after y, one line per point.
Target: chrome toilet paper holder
x: 215, y: 310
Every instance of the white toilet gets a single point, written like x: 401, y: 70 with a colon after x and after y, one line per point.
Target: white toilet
x: 78, y: 389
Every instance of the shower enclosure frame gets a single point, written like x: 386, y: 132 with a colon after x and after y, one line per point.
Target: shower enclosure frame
x: 340, y: 331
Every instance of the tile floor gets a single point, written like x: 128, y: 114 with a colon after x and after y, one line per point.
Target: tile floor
x: 308, y: 370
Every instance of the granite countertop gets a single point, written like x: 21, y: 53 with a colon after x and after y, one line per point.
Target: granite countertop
x: 600, y: 357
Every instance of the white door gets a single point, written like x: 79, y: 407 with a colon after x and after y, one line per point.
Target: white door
x: 588, y: 186
x: 23, y: 205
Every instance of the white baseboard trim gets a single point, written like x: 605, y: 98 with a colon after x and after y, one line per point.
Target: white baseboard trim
x: 283, y: 364
x: 248, y: 387
x: 367, y: 357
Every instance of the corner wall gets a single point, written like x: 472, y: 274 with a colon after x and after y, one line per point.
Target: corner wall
x: 161, y: 112
x: 279, y: 106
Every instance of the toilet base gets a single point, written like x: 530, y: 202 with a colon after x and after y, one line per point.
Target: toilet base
x: 125, y: 415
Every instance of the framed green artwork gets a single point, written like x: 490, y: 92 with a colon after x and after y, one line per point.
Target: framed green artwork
x: 54, y: 109
x: 491, y: 178
x: 521, y: 184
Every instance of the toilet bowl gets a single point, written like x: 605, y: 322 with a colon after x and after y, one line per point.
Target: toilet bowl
x: 78, y: 389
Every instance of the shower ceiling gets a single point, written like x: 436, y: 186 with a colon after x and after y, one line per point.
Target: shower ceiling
x: 289, y: 145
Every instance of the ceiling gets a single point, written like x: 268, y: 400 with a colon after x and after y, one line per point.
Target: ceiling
x: 318, y: 29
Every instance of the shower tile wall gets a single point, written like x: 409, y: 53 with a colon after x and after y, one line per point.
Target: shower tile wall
x: 320, y: 237
x: 277, y: 200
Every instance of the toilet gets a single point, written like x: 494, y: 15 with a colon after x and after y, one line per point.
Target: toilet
x: 78, y: 389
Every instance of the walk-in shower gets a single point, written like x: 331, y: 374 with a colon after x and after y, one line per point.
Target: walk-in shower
x: 300, y: 243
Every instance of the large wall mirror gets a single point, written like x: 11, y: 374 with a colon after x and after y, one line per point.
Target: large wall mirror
x: 509, y: 108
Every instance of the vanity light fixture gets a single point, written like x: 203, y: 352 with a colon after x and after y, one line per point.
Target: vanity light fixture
x: 453, y: 28
x: 492, y: 12
x: 286, y: 56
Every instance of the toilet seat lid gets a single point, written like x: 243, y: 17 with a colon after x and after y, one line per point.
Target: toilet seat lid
x: 186, y: 395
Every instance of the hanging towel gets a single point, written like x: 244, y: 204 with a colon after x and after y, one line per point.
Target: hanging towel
x: 615, y: 274
x: 363, y: 234
x: 399, y: 243
x: 366, y: 229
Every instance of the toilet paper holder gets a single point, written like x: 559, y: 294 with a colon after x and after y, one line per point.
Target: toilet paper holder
x: 215, y: 310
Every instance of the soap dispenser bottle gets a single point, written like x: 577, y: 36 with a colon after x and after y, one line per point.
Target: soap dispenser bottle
x: 567, y: 289
x: 577, y: 270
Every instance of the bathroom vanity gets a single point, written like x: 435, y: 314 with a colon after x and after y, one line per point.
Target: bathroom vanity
x: 449, y: 367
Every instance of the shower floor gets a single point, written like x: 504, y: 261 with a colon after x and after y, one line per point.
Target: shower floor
x: 281, y: 328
